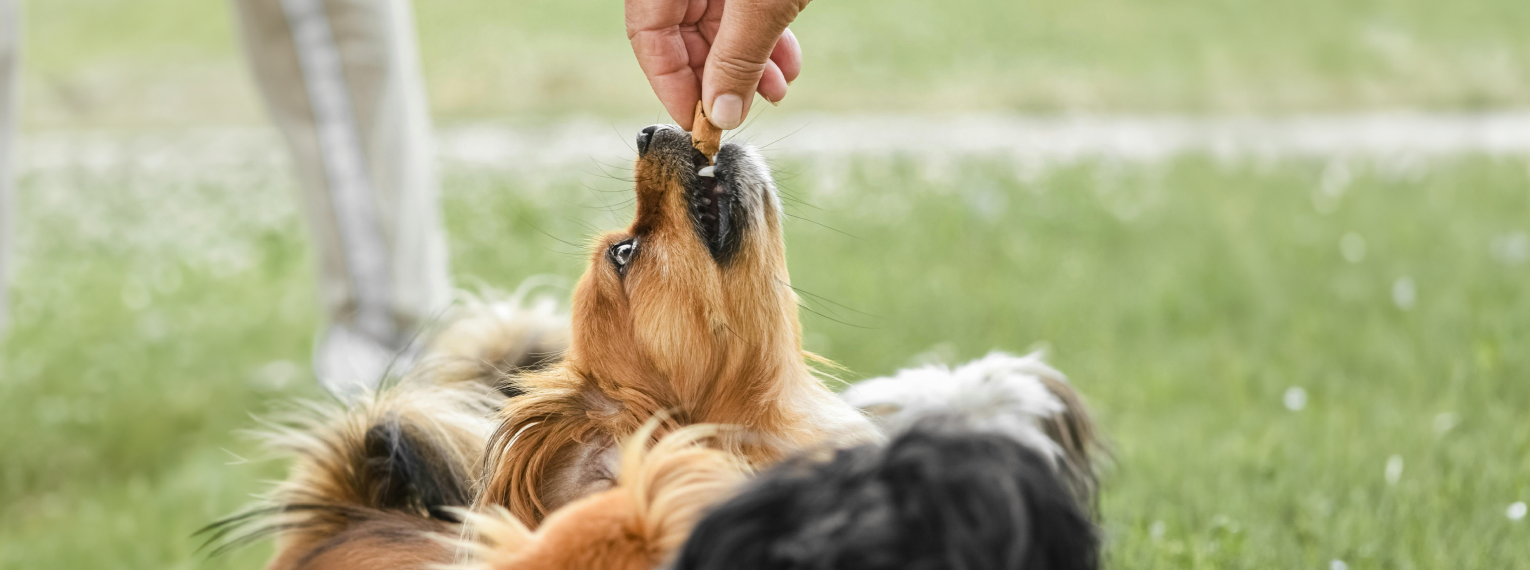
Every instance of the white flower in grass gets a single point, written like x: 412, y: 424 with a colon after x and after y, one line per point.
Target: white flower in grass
x: 1394, y: 469
x: 1446, y: 421
x: 1295, y: 398
x: 1336, y: 178
x: 1337, y: 565
x: 276, y: 375
x: 1404, y: 293
x: 1512, y: 248
x: 1352, y: 247
x: 1516, y: 511
x: 135, y: 296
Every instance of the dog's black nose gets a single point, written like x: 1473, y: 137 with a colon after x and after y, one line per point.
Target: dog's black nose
x: 646, y: 135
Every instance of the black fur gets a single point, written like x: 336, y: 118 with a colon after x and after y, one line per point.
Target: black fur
x: 722, y: 218
x: 393, y: 470
x: 937, y: 498
x: 409, y: 474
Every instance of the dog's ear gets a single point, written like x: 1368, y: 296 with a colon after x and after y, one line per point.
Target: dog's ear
x: 1075, y: 433
x: 1062, y: 535
x: 538, y: 433
x: 984, y: 501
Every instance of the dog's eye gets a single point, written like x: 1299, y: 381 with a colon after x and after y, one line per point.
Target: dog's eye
x: 621, y: 254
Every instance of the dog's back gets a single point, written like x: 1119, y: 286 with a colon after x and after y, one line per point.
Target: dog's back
x: 939, y: 496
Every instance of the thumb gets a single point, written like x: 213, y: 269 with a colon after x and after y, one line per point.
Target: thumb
x: 739, y: 54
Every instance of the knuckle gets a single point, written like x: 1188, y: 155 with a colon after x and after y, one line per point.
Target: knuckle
x: 739, y: 69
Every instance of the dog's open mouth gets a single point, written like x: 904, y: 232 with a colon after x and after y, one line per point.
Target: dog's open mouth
x: 718, y: 195
x: 712, y: 202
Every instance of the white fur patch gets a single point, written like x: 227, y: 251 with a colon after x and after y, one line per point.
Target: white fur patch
x: 999, y: 392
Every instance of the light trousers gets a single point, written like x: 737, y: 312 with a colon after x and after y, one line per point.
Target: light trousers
x: 341, y: 80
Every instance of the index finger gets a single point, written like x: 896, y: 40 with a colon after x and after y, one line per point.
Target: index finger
x: 666, y: 63
x: 654, y: 30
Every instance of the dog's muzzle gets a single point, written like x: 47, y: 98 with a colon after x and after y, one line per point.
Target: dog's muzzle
x: 710, y: 196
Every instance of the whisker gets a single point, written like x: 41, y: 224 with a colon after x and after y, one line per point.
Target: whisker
x: 612, y: 166
x: 760, y: 112
x: 810, y: 310
x: 616, y: 178
x: 830, y: 228
x: 801, y: 300
x: 624, y: 139
x: 612, y: 208
x: 594, y: 189
x: 607, y: 175
x: 544, y: 232
x: 826, y: 299
x: 728, y: 328
x: 594, y: 231
x: 788, y: 135
x: 790, y: 199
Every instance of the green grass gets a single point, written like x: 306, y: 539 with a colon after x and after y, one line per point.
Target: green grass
x: 176, y: 62
x: 154, y: 310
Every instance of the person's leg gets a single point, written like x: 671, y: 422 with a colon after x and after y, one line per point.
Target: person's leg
x: 10, y: 47
x: 341, y: 79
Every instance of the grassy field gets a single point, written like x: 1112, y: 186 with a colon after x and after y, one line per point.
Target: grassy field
x: 1190, y: 301
x: 1298, y: 362
x: 176, y: 62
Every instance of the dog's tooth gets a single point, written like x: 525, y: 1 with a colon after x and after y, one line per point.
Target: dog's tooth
x: 706, y: 201
x: 709, y: 172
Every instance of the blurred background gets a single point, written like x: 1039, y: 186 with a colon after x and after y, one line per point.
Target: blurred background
x: 1280, y: 246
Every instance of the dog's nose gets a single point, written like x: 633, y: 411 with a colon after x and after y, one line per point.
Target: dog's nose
x: 646, y: 135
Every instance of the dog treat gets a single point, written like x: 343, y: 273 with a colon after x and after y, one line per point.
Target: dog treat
x: 705, y: 136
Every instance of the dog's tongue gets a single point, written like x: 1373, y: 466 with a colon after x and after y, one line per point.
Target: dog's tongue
x: 706, y: 137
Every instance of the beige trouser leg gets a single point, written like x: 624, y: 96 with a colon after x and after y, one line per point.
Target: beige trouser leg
x: 10, y: 46
x: 341, y: 79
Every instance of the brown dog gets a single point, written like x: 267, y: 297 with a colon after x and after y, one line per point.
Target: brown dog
x: 689, y: 311
x: 688, y: 314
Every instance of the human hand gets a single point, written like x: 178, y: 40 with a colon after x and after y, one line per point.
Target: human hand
x: 717, y: 51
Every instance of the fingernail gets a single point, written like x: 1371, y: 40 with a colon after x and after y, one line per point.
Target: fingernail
x: 727, y: 111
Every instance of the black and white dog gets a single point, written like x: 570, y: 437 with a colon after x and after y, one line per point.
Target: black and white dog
x: 988, y: 468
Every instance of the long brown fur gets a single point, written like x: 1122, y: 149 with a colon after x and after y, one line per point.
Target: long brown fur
x: 371, y: 482
x: 488, y: 338
x: 714, y: 341
x: 639, y: 525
